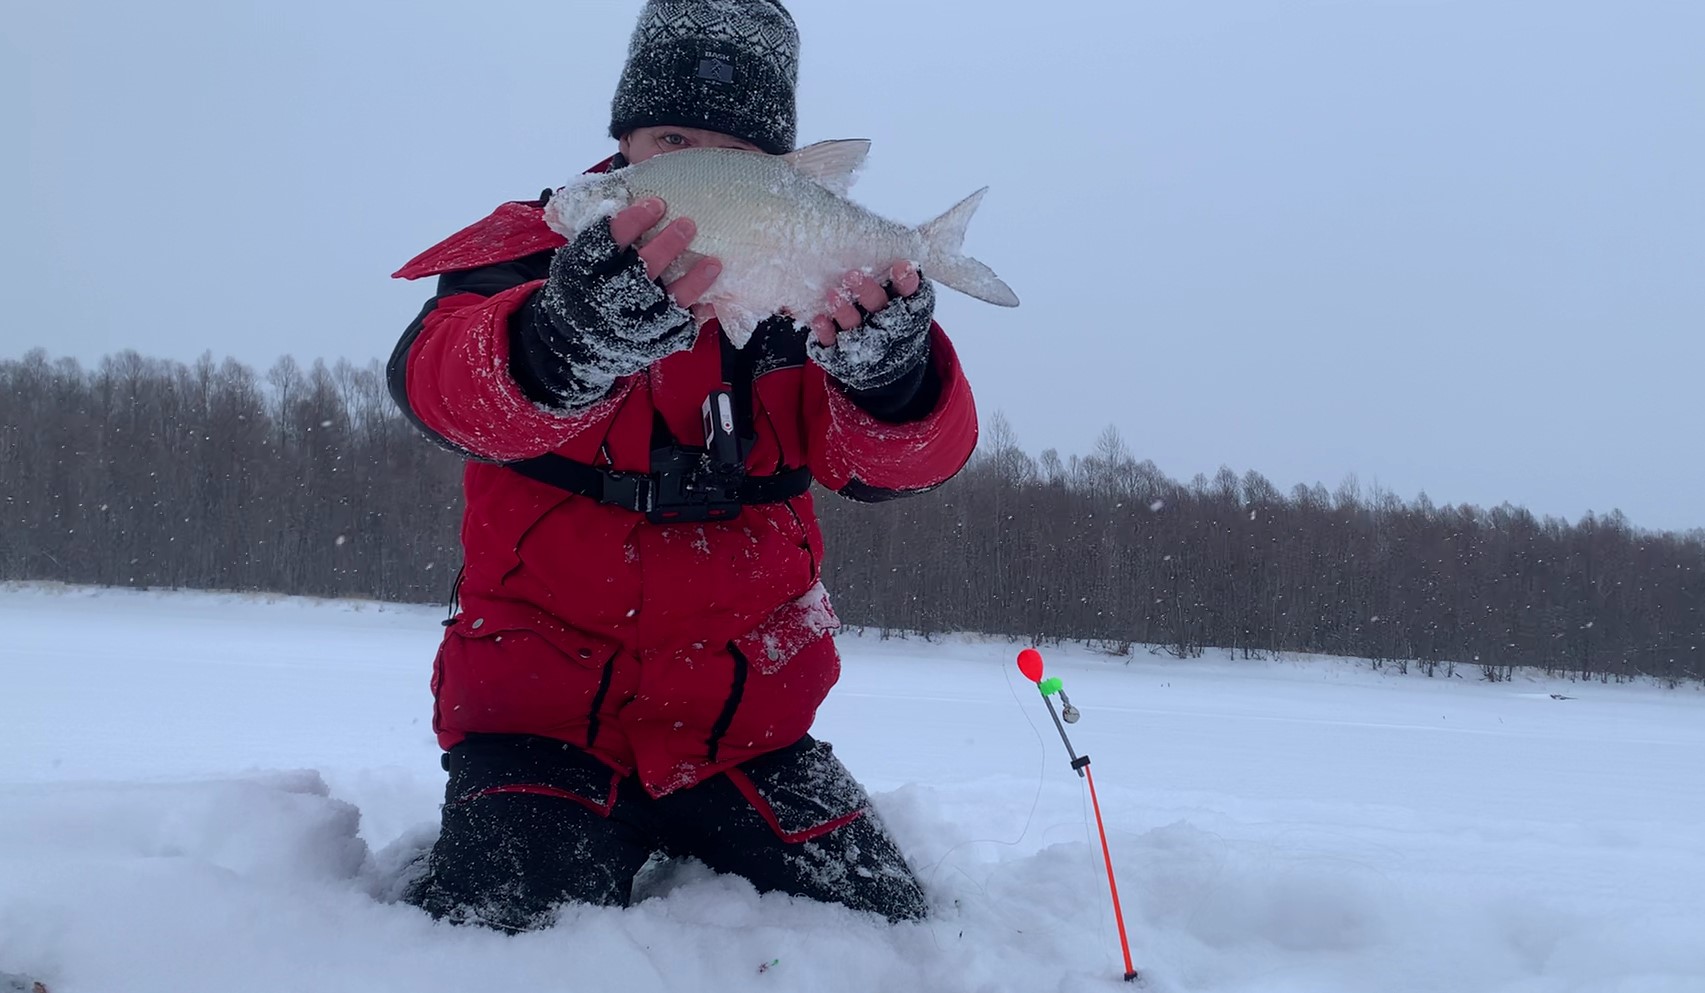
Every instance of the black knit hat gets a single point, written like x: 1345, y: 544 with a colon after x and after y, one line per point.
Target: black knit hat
x: 723, y: 65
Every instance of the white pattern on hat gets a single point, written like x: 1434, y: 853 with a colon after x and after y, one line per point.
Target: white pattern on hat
x: 730, y: 66
x: 733, y: 21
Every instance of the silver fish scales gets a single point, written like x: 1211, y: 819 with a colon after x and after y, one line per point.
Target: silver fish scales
x: 782, y: 226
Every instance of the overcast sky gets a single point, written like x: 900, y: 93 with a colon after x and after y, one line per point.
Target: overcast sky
x: 1456, y: 247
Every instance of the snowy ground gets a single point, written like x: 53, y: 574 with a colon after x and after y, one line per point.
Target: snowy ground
x: 201, y: 792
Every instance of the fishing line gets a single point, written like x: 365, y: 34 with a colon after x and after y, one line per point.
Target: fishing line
x: 1029, y: 818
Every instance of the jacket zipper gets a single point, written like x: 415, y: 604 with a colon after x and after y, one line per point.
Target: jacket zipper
x: 592, y: 721
x: 735, y: 692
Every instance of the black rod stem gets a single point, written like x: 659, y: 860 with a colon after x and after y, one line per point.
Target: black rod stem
x: 1077, y: 763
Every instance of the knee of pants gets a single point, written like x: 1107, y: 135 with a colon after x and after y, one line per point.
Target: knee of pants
x: 508, y: 860
x: 860, y: 866
x: 525, y: 827
x: 826, y: 841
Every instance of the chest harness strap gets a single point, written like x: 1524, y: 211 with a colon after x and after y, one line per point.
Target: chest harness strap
x: 685, y: 483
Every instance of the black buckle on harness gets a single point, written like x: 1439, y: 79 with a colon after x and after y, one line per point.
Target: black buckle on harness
x: 634, y: 490
x: 687, y: 486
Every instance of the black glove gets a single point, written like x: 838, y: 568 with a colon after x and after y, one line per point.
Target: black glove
x: 597, y: 318
x: 889, y: 346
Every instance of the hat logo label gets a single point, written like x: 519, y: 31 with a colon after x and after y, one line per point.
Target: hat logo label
x: 716, y: 68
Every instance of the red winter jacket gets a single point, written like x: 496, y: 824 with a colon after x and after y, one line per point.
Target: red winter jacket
x: 670, y: 650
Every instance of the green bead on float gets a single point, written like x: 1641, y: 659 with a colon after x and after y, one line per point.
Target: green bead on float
x: 1050, y: 686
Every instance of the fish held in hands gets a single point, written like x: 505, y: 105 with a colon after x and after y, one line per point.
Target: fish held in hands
x: 781, y: 225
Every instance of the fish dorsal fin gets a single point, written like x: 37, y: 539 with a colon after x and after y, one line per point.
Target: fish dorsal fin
x: 833, y: 164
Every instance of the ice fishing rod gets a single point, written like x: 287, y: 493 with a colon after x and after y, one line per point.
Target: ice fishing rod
x: 1030, y: 663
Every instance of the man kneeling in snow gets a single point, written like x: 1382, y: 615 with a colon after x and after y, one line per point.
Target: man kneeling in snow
x: 636, y: 663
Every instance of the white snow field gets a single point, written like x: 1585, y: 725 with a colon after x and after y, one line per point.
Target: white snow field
x: 205, y: 792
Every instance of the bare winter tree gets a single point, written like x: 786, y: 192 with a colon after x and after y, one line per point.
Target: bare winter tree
x: 148, y: 473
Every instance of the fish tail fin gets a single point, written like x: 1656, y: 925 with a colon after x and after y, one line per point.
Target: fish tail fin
x: 945, y: 262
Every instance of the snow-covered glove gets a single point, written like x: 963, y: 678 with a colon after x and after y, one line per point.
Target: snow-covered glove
x: 888, y: 346
x: 596, y: 319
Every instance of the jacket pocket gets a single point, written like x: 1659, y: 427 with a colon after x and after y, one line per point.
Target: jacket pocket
x: 789, y: 631
x: 507, y: 669
x: 505, y: 620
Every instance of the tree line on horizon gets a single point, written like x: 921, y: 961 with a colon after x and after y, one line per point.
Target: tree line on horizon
x: 151, y: 473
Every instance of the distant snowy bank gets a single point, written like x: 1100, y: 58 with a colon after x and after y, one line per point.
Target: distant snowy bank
x: 1078, y: 652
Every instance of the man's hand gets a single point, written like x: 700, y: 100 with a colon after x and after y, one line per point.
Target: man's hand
x: 602, y: 315
x: 871, y: 295
x: 872, y: 334
x: 661, y: 252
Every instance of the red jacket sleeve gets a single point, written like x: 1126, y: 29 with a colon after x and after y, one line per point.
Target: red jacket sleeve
x: 857, y: 455
x: 459, y: 384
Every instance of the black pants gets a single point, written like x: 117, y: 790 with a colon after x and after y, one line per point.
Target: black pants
x: 529, y: 823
